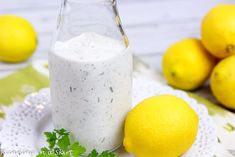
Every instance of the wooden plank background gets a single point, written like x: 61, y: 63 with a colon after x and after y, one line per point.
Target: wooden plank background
x: 151, y: 25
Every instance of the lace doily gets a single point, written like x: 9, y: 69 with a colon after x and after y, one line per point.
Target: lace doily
x: 22, y: 126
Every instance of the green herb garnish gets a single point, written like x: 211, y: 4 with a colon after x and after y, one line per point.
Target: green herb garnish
x: 60, y: 145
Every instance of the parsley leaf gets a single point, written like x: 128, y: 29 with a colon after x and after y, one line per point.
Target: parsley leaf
x: 64, y: 142
x: 59, y: 145
x: 93, y: 153
x: 77, y: 149
x: 107, y: 154
x: 51, y: 139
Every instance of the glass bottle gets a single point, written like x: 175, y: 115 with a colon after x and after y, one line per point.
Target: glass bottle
x: 90, y: 66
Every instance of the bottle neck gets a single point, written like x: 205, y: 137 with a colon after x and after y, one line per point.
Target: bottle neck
x: 99, y: 16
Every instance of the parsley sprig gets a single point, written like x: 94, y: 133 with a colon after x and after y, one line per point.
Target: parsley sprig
x: 60, y: 145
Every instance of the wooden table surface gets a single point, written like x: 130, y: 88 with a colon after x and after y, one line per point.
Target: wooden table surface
x: 151, y: 25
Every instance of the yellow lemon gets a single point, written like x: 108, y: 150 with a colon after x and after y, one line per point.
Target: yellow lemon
x: 160, y: 126
x: 17, y: 39
x: 187, y: 64
x: 223, y: 82
x: 218, y: 30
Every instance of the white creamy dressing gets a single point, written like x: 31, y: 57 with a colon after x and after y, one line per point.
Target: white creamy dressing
x: 91, y: 82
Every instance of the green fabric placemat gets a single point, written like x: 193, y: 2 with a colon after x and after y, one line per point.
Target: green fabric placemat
x: 15, y: 86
